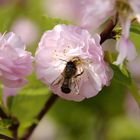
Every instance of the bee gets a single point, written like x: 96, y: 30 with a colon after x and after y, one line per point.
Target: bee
x: 69, y: 75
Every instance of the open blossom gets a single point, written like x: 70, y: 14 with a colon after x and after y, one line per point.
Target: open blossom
x: 124, y: 46
x: 90, y: 14
x: 127, y: 10
x: 15, y: 63
x: 64, y: 45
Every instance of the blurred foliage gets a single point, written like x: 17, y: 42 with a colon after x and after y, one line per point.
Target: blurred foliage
x: 124, y: 128
x: 135, y: 28
x: 102, y: 117
x: 84, y: 120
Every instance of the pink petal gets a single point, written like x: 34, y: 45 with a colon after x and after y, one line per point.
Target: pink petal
x: 8, y: 92
x: 126, y: 50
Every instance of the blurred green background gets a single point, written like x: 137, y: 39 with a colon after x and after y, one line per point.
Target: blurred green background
x: 111, y: 115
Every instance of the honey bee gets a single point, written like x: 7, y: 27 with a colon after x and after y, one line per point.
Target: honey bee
x: 69, y: 75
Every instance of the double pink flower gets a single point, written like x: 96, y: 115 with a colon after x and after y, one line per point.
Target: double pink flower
x: 15, y: 63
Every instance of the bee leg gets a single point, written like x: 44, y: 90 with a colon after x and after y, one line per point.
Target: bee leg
x: 79, y: 74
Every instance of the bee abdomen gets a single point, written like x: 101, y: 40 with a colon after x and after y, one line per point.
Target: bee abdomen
x: 65, y: 89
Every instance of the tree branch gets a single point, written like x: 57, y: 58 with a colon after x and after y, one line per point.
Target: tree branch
x: 41, y: 114
x: 107, y: 32
x: 3, y: 115
x: 6, y: 137
x: 14, y: 126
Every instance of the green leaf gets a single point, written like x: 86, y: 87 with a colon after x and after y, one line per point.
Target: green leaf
x: 28, y: 102
x: 7, y: 15
x: 135, y: 28
x: 26, y: 105
x: 5, y: 123
x: 121, y: 76
x: 110, y: 57
x: 49, y: 23
x: 135, y: 93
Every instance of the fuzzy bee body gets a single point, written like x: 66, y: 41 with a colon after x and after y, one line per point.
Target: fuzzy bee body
x: 68, y: 78
x: 69, y: 71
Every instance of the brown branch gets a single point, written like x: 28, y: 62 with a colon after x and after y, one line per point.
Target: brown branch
x: 4, y: 137
x: 107, y: 32
x: 3, y: 115
x: 14, y: 126
x: 41, y: 114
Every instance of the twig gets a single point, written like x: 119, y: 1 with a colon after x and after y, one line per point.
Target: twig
x: 107, y: 32
x: 6, y: 137
x: 3, y: 115
x: 44, y: 110
x: 14, y: 126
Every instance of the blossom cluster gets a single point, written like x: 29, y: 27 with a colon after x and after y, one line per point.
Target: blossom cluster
x: 90, y: 14
x: 69, y: 60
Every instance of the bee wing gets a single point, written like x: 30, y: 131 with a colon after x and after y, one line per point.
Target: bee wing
x: 74, y: 86
x: 75, y: 81
x: 57, y: 81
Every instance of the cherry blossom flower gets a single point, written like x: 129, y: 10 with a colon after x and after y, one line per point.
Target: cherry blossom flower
x: 26, y: 29
x: 90, y: 14
x: 15, y: 63
x: 124, y: 46
x: 93, y: 13
x: 70, y: 44
x: 127, y: 10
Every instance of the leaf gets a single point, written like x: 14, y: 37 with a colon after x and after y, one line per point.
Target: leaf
x: 121, y: 76
x: 5, y: 123
x: 135, y: 93
x: 49, y: 23
x: 28, y: 102
x: 110, y: 57
x: 26, y: 105
x: 7, y: 15
x: 135, y: 28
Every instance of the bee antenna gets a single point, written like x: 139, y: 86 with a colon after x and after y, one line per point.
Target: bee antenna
x: 63, y: 60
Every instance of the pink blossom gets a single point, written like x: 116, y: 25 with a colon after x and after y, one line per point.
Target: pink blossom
x: 89, y: 14
x: 93, y: 13
x: 26, y: 29
x: 66, y: 44
x: 124, y: 46
x: 127, y: 11
x: 15, y: 62
x: 126, y: 50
